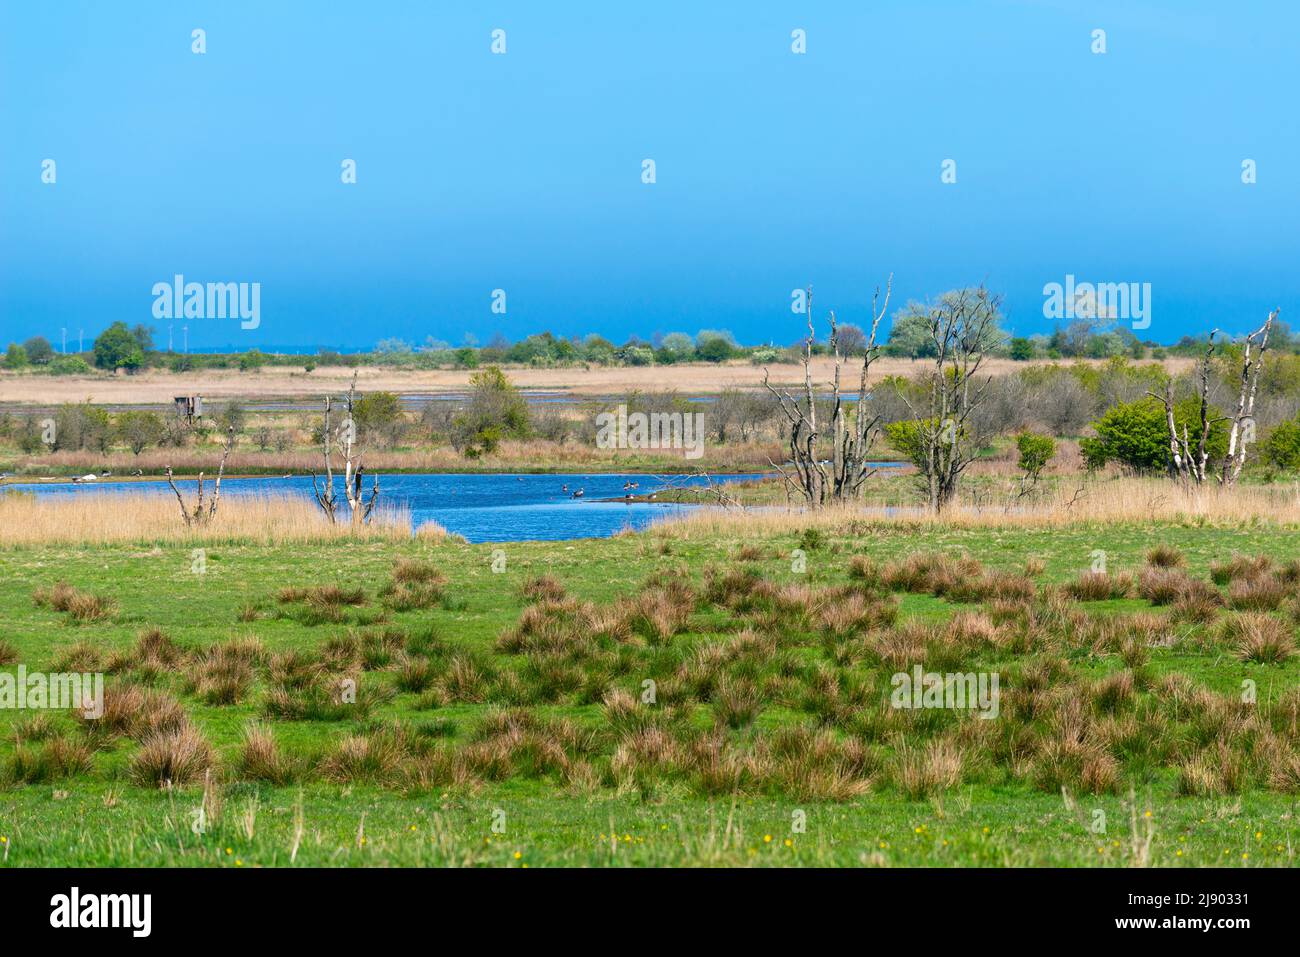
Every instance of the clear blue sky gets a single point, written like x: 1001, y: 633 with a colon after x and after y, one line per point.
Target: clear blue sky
x: 523, y: 171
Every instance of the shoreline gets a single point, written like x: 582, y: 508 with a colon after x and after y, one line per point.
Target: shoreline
x: 271, y: 475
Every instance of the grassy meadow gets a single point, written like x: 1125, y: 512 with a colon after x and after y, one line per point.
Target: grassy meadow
x: 498, y: 716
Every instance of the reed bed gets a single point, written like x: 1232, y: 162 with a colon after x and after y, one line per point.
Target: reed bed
x: 1115, y: 501
x: 138, y: 517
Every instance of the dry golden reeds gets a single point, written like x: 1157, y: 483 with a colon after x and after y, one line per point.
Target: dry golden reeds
x: 137, y: 517
x: 1100, y: 501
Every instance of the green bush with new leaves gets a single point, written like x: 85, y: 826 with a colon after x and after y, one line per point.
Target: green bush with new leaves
x: 1135, y: 435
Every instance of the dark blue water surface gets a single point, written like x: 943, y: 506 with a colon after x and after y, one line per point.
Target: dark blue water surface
x: 483, y: 508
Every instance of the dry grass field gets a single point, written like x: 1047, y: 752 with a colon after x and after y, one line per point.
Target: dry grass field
x: 159, y: 386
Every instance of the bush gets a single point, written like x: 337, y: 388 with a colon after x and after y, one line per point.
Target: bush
x: 139, y: 429
x: 68, y: 365
x: 379, y: 418
x: 1136, y: 434
x: 495, y: 411
x: 1282, y: 447
x: 1035, y: 452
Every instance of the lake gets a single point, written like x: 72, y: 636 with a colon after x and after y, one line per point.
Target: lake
x: 481, y: 507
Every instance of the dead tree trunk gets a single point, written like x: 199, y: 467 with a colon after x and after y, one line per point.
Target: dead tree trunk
x: 360, y: 508
x: 1243, y: 421
x: 853, y: 440
x: 807, y: 474
x: 1183, y: 463
x: 203, y: 512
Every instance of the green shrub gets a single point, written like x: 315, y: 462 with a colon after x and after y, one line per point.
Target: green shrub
x: 1035, y: 452
x: 1282, y: 447
x: 1136, y: 434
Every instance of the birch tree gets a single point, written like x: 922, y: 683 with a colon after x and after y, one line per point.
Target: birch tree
x: 360, y: 507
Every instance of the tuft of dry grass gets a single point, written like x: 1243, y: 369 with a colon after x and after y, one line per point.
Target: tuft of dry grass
x: 1099, y: 586
x: 655, y: 615
x: 1259, y: 637
x: 224, y: 673
x: 737, y: 702
x: 1213, y: 771
x: 1164, y: 585
x: 172, y: 758
x: 137, y: 712
x: 1165, y: 556
x: 928, y: 769
x: 1257, y: 593
x: 1240, y: 567
x: 84, y: 657
x: 260, y: 758
x: 56, y: 758
x: 543, y: 588
x: 80, y: 606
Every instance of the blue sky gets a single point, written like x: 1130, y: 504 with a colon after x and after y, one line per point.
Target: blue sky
x: 522, y: 171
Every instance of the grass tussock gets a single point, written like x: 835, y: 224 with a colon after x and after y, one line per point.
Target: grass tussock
x: 173, y: 758
x: 1259, y: 637
x: 1099, y: 586
x: 414, y: 585
x: 80, y: 606
x: 261, y: 759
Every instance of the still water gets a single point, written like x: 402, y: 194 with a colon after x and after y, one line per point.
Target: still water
x: 481, y: 507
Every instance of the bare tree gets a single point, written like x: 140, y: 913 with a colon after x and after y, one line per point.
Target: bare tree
x: 808, y: 475
x: 1243, y: 422
x: 963, y: 327
x: 202, y: 513
x: 359, y: 508
x: 1193, y: 465
x: 1183, y: 463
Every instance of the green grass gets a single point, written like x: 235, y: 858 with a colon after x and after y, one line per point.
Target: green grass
x: 101, y: 818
